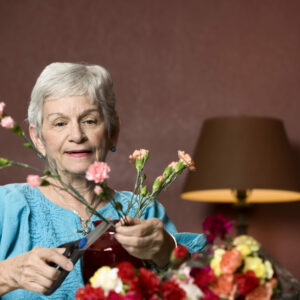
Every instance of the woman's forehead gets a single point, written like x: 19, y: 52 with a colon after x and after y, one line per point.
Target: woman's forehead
x: 69, y: 105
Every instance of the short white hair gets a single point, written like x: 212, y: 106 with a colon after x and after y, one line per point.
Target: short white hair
x: 60, y: 80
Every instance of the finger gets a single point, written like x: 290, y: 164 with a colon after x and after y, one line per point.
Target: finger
x: 141, y: 228
x: 136, y: 241
x: 55, y: 255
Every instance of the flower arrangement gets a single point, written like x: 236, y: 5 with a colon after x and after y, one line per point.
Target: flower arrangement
x: 230, y: 268
x: 98, y: 172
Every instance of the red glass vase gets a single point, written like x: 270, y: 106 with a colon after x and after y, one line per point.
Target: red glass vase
x: 106, y: 251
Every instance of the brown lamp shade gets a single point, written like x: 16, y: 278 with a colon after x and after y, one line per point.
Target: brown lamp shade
x: 243, y: 153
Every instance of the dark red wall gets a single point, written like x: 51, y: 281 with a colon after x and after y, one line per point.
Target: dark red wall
x: 174, y: 64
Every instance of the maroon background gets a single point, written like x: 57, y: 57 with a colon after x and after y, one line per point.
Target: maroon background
x: 174, y: 64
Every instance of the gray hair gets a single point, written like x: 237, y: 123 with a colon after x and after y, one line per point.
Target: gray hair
x: 59, y: 80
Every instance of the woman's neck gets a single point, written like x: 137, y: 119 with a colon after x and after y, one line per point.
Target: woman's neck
x: 58, y: 194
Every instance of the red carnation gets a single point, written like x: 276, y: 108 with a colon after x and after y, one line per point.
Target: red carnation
x: 217, y: 225
x: 170, y: 290
x: 133, y: 296
x: 113, y: 296
x: 209, y: 295
x: 146, y: 283
x: 246, y: 282
x: 204, y: 276
x: 89, y: 293
x: 180, y: 252
x: 126, y: 271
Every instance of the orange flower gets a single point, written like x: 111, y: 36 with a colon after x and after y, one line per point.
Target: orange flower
x: 224, y: 286
x: 262, y: 292
x: 230, y: 261
x: 186, y: 158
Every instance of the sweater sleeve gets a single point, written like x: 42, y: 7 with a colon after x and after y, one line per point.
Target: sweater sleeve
x: 14, y: 214
x: 193, y: 241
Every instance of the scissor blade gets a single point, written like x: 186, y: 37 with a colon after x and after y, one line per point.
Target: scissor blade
x: 96, y: 233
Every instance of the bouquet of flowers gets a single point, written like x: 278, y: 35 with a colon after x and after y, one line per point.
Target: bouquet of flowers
x: 230, y: 268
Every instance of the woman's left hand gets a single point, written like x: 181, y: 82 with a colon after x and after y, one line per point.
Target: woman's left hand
x: 146, y: 239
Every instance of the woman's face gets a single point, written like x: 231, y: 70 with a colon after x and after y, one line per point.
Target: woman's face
x: 73, y: 133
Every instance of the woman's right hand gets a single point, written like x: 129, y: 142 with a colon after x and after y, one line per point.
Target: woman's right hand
x: 31, y: 271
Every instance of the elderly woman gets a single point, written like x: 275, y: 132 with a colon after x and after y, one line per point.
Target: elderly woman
x: 73, y: 123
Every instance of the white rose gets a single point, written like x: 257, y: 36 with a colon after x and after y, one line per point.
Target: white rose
x: 192, y: 291
x: 107, y: 279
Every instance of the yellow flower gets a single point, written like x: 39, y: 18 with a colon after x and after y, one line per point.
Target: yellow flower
x: 107, y: 278
x: 248, y: 241
x: 215, y: 262
x: 269, y: 270
x: 244, y: 249
x: 256, y: 265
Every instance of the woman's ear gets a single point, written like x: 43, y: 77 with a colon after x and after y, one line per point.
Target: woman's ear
x: 36, y: 139
x: 116, y: 133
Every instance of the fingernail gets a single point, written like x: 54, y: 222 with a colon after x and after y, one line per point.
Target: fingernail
x: 69, y: 265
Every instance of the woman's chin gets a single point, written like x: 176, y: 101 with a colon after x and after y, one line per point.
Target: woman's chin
x: 75, y: 172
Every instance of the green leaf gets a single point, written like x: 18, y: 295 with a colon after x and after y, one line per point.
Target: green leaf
x: 28, y: 145
x: 45, y: 182
x: 18, y: 130
x: 118, y: 205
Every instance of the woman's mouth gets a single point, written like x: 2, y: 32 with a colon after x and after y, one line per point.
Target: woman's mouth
x: 79, y: 153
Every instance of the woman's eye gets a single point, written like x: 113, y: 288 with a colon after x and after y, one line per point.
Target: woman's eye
x: 60, y: 124
x: 90, y: 121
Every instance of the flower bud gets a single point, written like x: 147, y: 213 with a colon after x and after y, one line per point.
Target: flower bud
x: 157, y: 183
x: 179, y: 255
x: 180, y: 166
x: 4, y: 162
x: 144, y: 191
x: 167, y: 172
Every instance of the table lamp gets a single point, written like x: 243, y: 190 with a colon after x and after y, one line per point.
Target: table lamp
x: 243, y: 160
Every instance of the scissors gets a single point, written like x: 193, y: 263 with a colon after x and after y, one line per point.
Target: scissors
x: 75, y: 249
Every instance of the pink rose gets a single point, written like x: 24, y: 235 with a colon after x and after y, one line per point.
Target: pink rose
x: 7, y: 122
x: 98, y: 189
x: 2, y: 105
x: 186, y: 158
x: 97, y: 172
x: 34, y: 180
x: 138, y: 154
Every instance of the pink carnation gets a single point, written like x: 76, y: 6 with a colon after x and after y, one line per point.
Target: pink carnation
x: 173, y: 164
x: 98, y: 189
x: 186, y: 158
x: 2, y: 105
x: 7, y: 122
x: 97, y: 172
x: 34, y: 180
x: 138, y: 154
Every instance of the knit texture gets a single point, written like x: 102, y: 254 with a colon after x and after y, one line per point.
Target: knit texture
x: 29, y: 219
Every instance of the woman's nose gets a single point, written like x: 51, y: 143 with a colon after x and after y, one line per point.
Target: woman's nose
x: 76, y: 135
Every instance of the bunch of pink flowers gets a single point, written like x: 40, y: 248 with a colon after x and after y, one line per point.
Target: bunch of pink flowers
x: 98, y: 172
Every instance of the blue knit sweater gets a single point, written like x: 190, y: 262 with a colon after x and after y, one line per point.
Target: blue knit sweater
x: 29, y: 219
